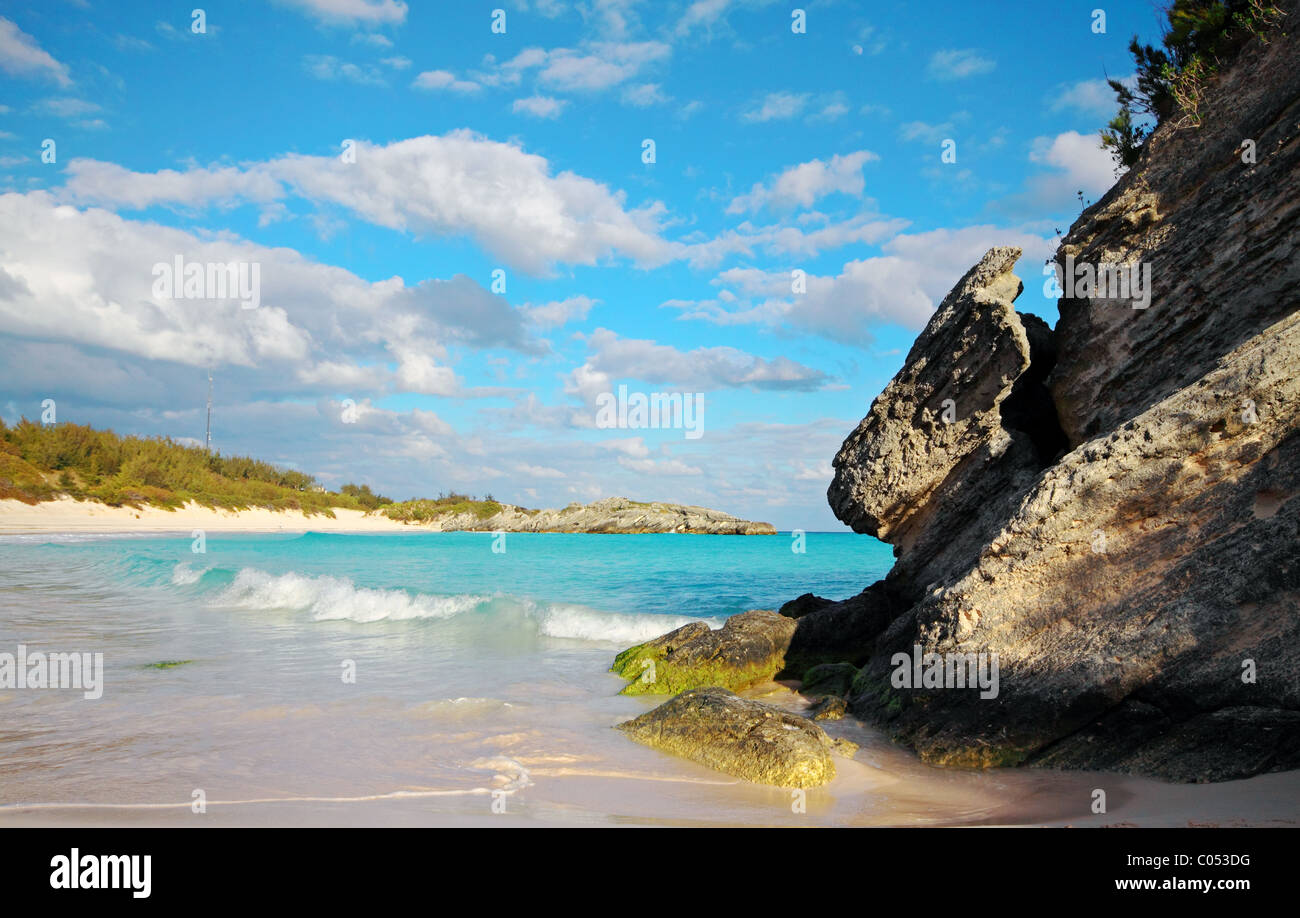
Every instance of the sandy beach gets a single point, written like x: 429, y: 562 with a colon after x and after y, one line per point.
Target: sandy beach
x: 68, y: 515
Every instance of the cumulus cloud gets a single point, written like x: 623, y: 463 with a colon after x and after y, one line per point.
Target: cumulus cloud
x: 457, y: 184
x: 86, y: 278
x: 1080, y: 164
x: 804, y: 184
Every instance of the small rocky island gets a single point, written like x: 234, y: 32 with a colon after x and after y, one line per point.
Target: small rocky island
x: 611, y: 515
x: 1108, y: 510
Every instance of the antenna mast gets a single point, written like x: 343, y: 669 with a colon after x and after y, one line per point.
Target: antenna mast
x: 209, y: 436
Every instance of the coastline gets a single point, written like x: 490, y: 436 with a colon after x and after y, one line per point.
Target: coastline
x: 66, y: 515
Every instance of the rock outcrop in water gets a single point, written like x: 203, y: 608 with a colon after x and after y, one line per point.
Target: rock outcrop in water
x: 750, y: 648
x: 1108, y: 510
x: 611, y: 515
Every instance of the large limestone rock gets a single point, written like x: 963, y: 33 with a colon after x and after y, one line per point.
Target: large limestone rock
x: 1140, y: 580
x: 745, y: 738
x: 964, y: 427
x: 1141, y: 592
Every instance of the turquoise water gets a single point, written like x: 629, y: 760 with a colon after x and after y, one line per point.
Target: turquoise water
x: 695, y: 575
x: 479, y: 691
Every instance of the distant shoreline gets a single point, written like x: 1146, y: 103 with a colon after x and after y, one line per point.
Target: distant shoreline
x: 68, y: 515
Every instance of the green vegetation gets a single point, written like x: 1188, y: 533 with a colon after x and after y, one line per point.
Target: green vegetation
x: 40, y: 462
x: 1203, y: 37
x: 167, y: 664
x: 421, y: 511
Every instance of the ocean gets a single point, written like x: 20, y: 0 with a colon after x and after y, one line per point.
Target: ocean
x: 426, y: 679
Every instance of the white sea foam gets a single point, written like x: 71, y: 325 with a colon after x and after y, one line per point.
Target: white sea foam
x: 614, y: 627
x: 332, y: 598
x: 338, y: 598
x: 184, y: 575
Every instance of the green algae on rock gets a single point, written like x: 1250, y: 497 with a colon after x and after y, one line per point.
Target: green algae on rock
x: 745, y: 738
x: 748, y: 649
x: 829, y: 679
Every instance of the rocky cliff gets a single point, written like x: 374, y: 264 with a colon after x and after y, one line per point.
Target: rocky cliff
x: 1097, y: 525
x: 1109, y: 508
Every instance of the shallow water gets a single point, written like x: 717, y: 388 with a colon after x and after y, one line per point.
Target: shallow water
x: 476, y: 672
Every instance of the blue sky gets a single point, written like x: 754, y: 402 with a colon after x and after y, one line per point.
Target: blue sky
x: 476, y: 151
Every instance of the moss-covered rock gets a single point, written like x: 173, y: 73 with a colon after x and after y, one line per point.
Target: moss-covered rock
x: 829, y: 679
x: 633, y: 663
x: 748, y: 649
x: 748, y: 739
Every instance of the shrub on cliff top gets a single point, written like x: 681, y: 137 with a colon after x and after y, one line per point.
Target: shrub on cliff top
x: 1202, y: 37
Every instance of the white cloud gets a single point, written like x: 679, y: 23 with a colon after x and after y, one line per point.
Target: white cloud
x: 932, y: 134
x: 456, y: 184
x: 330, y: 68
x: 954, y: 64
x: 317, y: 325
x: 802, y: 185
x: 67, y: 107
x: 1094, y: 98
x: 901, y: 287
x: 702, y: 14
x: 775, y: 106
x: 670, y: 467
x: 831, y: 111
x: 596, y: 66
x: 352, y: 11
x: 1080, y: 162
x: 21, y: 55
x: 644, y: 95
x: 611, y: 357
x: 785, y: 239
x: 442, y: 79
x: 539, y: 106
x: 558, y: 312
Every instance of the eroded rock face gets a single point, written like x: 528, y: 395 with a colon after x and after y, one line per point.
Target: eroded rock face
x: 1141, y: 592
x: 932, y: 467
x: 1221, y: 238
x: 1147, y: 566
x: 745, y: 738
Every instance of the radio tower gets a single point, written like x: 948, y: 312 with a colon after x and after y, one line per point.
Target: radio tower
x: 209, y: 436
